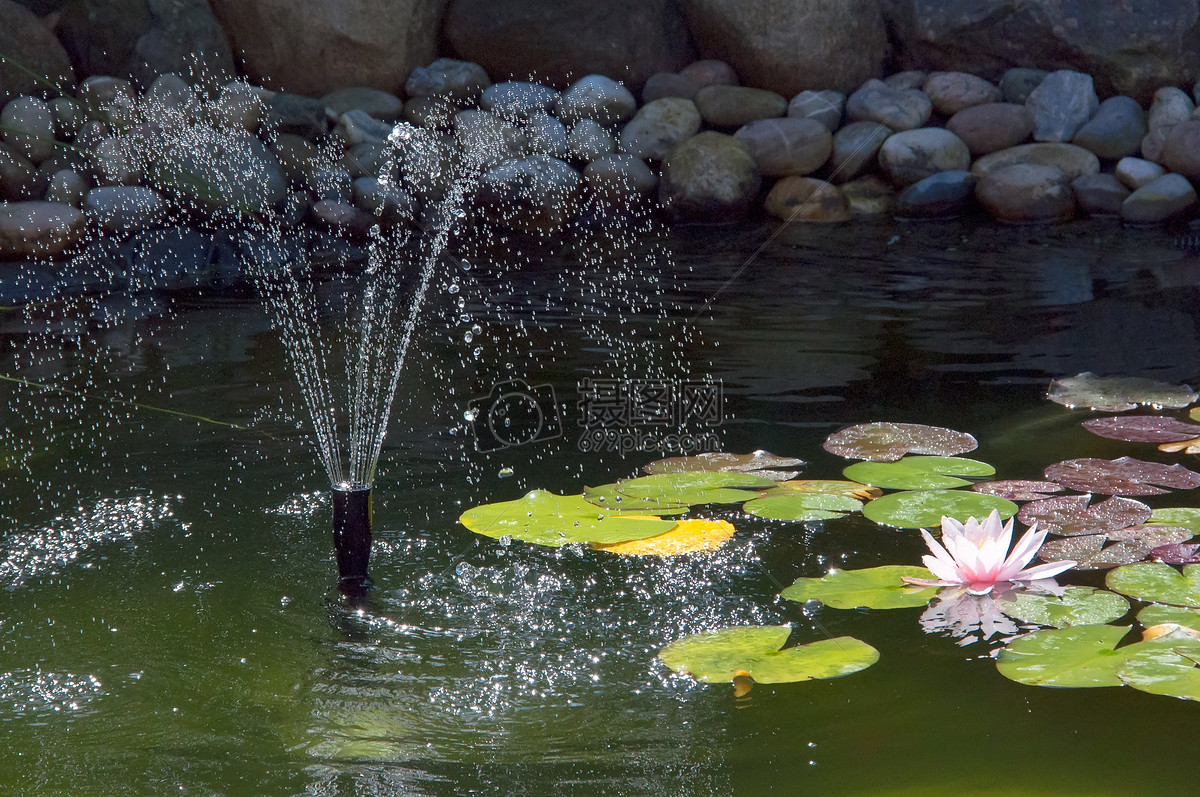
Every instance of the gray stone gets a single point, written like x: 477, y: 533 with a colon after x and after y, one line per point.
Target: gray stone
x: 517, y: 98
x: 1099, y: 194
x: 68, y: 187
x: 899, y: 109
x: 34, y: 50
x: 535, y: 194
x: 433, y: 112
x: 1026, y: 192
x: 908, y: 79
x: 951, y: 92
x: 825, y: 106
x: 709, y: 72
x: 29, y: 229
x: 1072, y: 161
x: 448, y: 78
x: 1168, y: 197
x: 1019, y: 82
x: 69, y: 117
x: 595, y: 97
x: 331, y: 182
x: 28, y: 127
x: 358, y: 126
x: 668, y: 84
x: 172, y: 92
x: 368, y: 159
x: 1115, y: 131
x: 619, y: 176
x: 1181, y: 149
x: 115, y: 161
x: 340, y: 215
x: 236, y: 171
x: 102, y: 96
x: 488, y: 138
x: 292, y: 113
x: 807, y: 199
x: 18, y: 177
x: 991, y: 127
x: 1153, y: 143
x: 1136, y: 172
x: 942, y: 195
x: 782, y: 147
x: 379, y: 104
x: 733, y: 106
x: 660, y: 126
x: 913, y: 155
x: 855, y: 148
x: 385, y: 200
x: 710, y: 177
x: 546, y: 135
x: 124, y: 208
x: 297, y: 156
x: 1170, y: 107
x: 589, y: 140
x: 239, y: 106
x: 1061, y: 104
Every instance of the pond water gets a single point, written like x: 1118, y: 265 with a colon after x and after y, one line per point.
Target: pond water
x: 168, y: 623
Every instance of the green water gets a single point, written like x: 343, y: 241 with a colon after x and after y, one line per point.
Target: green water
x: 168, y: 623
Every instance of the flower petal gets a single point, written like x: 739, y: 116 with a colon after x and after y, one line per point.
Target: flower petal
x: 1043, y: 571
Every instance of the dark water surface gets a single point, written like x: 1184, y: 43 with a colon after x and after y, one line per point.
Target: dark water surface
x: 167, y: 623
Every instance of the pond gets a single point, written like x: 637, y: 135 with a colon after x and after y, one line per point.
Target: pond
x: 168, y: 622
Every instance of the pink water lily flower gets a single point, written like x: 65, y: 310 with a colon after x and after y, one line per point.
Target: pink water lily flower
x: 976, y: 556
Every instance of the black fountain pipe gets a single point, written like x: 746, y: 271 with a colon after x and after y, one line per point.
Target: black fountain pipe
x: 352, y: 536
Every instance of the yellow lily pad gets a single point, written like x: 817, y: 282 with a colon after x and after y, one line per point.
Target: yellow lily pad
x: 694, y: 535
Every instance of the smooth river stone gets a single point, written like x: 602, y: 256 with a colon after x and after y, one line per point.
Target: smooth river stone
x: 1168, y: 197
x: 869, y: 196
x: 448, y: 78
x: 38, y: 228
x: 1073, y: 161
x: 710, y: 72
x: 1137, y: 172
x: 1026, y: 192
x: 379, y: 104
x: 124, y: 208
x: 710, y: 177
x: 28, y: 127
x: 517, y: 98
x: 620, y: 176
x: 855, y: 148
x: 939, y: 196
x: 668, y: 84
x: 899, y: 109
x: 1181, y: 149
x: 992, y: 126
x: 589, y: 140
x: 913, y: 155
x: 1019, y: 82
x: 1099, y: 194
x: 1170, y: 107
x: 825, y: 106
x: 598, y: 98
x: 807, y: 199
x: 1115, y: 131
x: 734, y: 106
x: 660, y: 126
x: 951, y: 92
x: 789, y: 146
x: 1061, y: 104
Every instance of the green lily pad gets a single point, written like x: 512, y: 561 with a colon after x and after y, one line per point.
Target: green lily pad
x: 1156, y: 582
x: 757, y: 651
x: 695, y: 487
x: 1077, y: 657
x: 548, y: 519
x: 1170, y: 671
x: 608, y: 497
x: 1077, y: 606
x: 919, y: 509
x: 760, y: 463
x: 1185, y: 516
x: 918, y: 473
x: 870, y: 588
x: 1157, y: 614
x: 802, y: 506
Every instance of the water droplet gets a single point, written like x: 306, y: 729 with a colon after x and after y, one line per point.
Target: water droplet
x: 470, y: 415
x: 506, y: 541
x: 468, y: 337
x: 506, y: 472
x: 453, y: 287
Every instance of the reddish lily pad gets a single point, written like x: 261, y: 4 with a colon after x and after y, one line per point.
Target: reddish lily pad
x: 760, y: 463
x: 1122, y: 476
x: 1018, y: 489
x: 887, y: 442
x: 1129, y: 546
x: 1071, y: 515
x: 1143, y: 429
x: 1118, y: 393
x: 1177, y: 554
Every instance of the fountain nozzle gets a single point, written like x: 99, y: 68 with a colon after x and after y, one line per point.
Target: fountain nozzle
x: 352, y: 536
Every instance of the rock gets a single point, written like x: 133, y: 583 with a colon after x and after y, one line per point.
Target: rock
x: 1072, y: 161
x: 1115, y: 131
x: 489, y: 138
x: 546, y: 135
x: 908, y: 79
x: 620, y: 176
x: 238, y: 106
x: 67, y: 187
x: 913, y: 155
x: 448, y: 78
x: 596, y: 97
x: 369, y: 160
x: 1170, y: 107
x: 869, y: 196
x: 69, y: 117
x: 115, y: 161
x: 992, y: 126
x: 668, y: 84
x: 788, y: 47
x: 180, y: 258
x: 807, y: 199
x: 939, y: 196
x: 18, y: 177
x: 1135, y: 172
x: 378, y: 104
x: 782, y: 147
x: 292, y: 113
x: 537, y: 193
x: 91, y: 134
x: 340, y: 215
x: 1099, y: 194
x: 172, y: 92
x: 147, y: 38
x: 1181, y: 149
x: 124, y: 208
x: 28, y: 127
x: 434, y: 112
x: 315, y: 48
x: 100, y: 93
x: 517, y: 98
x: 297, y: 156
x: 589, y: 140
x: 710, y: 177
x: 1166, y: 198
x: 899, y: 109
x: 628, y: 40
x: 951, y: 92
x: 825, y: 106
x: 658, y: 127
x: 1026, y: 192
x: 358, y: 127
x: 384, y: 200
x: 734, y: 106
x: 1019, y: 82
x: 235, y: 171
x: 709, y: 72
x: 1152, y: 145
x: 855, y: 148
x: 1061, y: 104
x: 29, y: 229
x: 331, y: 183
x: 32, y: 45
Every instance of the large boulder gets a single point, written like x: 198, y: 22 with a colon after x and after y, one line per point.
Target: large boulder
x: 788, y: 46
x: 557, y: 42
x: 1130, y: 48
x: 25, y: 40
x: 709, y: 177
x: 314, y: 48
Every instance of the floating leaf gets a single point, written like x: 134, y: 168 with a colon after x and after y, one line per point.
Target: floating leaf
x: 1134, y: 544
x: 924, y: 508
x: 548, y: 519
x: 825, y: 487
x: 757, y: 652
x: 1156, y: 614
x: 1076, y: 606
x: 1152, y: 534
x: 607, y: 496
x: 918, y: 473
x: 1122, y: 476
x: 1117, y: 393
x: 1170, y: 671
x: 1078, y: 657
x: 1144, y: 429
x: 870, y: 588
x: 1156, y: 582
x: 695, y: 487
x: 1185, y: 516
x: 1176, y: 554
x: 694, y: 535
x: 760, y: 463
x: 887, y: 442
x: 1071, y: 515
x: 1018, y: 489
x: 802, y: 506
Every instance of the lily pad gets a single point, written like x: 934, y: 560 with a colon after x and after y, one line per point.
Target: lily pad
x: 924, y: 508
x: 1076, y: 606
x: 825, y: 487
x: 694, y: 535
x: 1122, y: 476
x: 760, y: 463
x: 869, y: 588
x: 757, y: 652
x: 1071, y: 515
x: 1134, y: 544
x: 1156, y: 582
x: 918, y: 473
x: 1156, y: 614
x: 887, y: 442
x: 547, y: 519
x: 608, y: 497
x: 1176, y: 554
x: 1166, y: 666
x: 1185, y: 516
x: 1144, y: 429
x: 1018, y: 489
x: 1118, y: 393
x: 802, y: 506
x: 695, y: 487
x: 1078, y: 657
